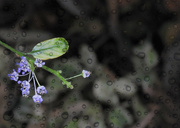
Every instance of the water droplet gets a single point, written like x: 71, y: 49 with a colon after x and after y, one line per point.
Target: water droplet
x: 21, y: 47
x: 128, y: 88
x: 64, y: 60
x: 28, y: 116
x: 8, y: 115
x: 64, y: 115
x: 9, y: 103
x: 6, y: 51
x: 138, y: 79
x: 96, y: 124
x: 17, y: 60
x: 43, y: 118
x: 177, y: 56
x: 146, y: 78
x: 83, y: 106
x: 89, y: 61
x: 50, y: 54
x: 138, y: 113
x: 24, y: 34
x: 171, y: 80
x: 114, y: 11
x: 11, y: 96
x: 75, y: 119
x: 53, y: 81
x: 109, y: 82
x: 141, y: 55
x: 91, y: 49
x: 85, y: 117
x: 111, y: 125
x: 38, y: 35
x: 81, y: 24
x: 96, y: 85
x: 52, y: 88
x: 146, y: 68
x: 82, y: 12
x: 42, y: 125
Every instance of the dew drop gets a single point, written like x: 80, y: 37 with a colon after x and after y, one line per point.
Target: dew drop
x: 128, y: 88
x: 96, y: 124
x: 64, y: 115
x: 50, y: 54
x: 28, y: 116
x: 85, y: 117
x: 8, y: 115
x: 83, y: 106
x: 6, y: 51
x: 75, y: 119
x: 24, y: 34
x: 141, y: 55
x: 21, y: 47
x: 177, y: 56
x: 89, y: 61
x: 109, y: 82
x: 64, y: 60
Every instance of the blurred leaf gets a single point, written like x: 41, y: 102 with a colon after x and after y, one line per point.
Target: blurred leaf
x: 125, y: 87
x: 50, y: 49
x: 119, y: 117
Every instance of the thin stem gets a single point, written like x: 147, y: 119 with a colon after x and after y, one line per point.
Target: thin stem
x: 24, y: 74
x: 74, y: 77
x: 36, y: 79
x: 34, y: 84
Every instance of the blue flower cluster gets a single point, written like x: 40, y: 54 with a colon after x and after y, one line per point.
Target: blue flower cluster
x: 24, y: 69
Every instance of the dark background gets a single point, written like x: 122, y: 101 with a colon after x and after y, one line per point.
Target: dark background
x: 130, y: 46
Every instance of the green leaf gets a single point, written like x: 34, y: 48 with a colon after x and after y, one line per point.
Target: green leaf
x: 50, y: 49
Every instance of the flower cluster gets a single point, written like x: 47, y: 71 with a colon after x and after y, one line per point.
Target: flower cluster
x: 23, y: 70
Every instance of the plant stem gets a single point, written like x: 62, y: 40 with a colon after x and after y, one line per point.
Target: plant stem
x: 32, y: 60
x: 74, y: 76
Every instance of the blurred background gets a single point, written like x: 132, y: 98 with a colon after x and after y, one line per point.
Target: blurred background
x: 132, y: 48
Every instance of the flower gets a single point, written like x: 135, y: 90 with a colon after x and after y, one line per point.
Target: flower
x: 14, y: 76
x: 39, y: 63
x: 85, y: 73
x: 25, y: 92
x: 41, y: 90
x: 37, y: 98
x: 23, y: 66
x: 25, y: 84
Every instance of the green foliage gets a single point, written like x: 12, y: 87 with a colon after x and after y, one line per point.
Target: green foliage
x: 50, y: 49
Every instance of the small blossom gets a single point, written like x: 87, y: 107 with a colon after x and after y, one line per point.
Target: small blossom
x: 37, y: 98
x: 41, y: 90
x: 39, y: 63
x: 23, y: 66
x: 14, y: 76
x: 25, y: 84
x: 25, y: 92
x: 86, y: 73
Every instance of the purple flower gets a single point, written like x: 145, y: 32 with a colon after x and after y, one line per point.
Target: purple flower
x: 39, y: 63
x: 86, y: 73
x: 25, y: 84
x: 23, y: 66
x: 25, y: 92
x: 37, y: 98
x: 14, y: 76
x: 41, y: 90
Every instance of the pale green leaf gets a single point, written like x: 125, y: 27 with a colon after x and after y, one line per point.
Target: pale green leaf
x: 50, y: 49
